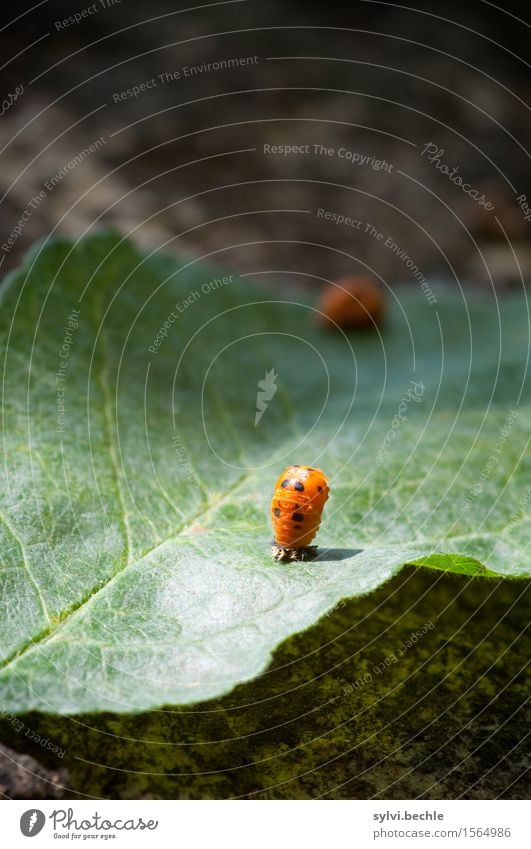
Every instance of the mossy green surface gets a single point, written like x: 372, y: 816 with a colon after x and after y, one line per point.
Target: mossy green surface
x: 445, y: 720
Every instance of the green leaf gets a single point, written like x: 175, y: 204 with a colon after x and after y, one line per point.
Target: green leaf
x: 134, y: 527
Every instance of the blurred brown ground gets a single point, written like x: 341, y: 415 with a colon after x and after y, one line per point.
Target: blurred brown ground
x: 385, y: 78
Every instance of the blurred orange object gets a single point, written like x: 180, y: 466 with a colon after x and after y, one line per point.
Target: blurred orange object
x: 350, y: 303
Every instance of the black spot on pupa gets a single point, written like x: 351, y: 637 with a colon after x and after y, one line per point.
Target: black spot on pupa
x: 277, y: 511
x: 299, y: 486
x: 297, y: 526
x: 319, y: 489
x: 284, y: 483
x: 298, y: 517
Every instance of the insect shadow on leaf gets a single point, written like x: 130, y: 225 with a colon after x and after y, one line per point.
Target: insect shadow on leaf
x: 333, y: 554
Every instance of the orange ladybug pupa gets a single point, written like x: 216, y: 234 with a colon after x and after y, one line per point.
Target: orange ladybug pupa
x: 352, y: 303
x: 296, y: 508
